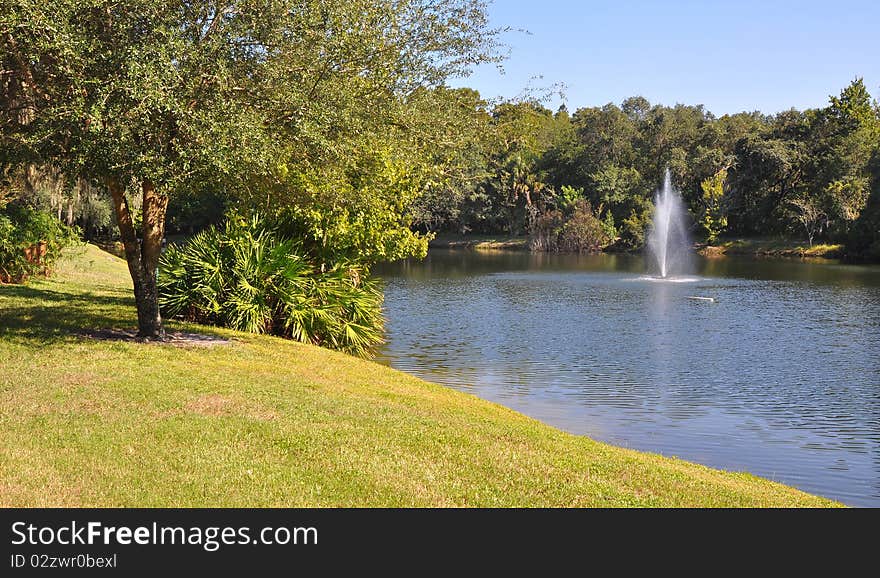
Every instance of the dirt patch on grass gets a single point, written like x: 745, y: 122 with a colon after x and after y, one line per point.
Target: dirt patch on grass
x: 71, y: 394
x: 770, y: 248
x: 54, y: 495
x: 212, y: 405
x: 216, y: 405
x: 82, y: 378
x: 175, y: 338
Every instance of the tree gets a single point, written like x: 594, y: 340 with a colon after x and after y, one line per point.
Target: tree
x: 521, y: 133
x: 854, y: 108
x: 768, y: 173
x: 666, y: 139
x: 155, y: 98
x: 636, y: 108
x: 714, y: 218
x: 809, y: 214
x: 456, y: 156
x: 842, y: 139
x: 864, y: 238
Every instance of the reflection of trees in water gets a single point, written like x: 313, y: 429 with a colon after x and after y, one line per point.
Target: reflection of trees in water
x: 791, y: 270
x: 459, y: 263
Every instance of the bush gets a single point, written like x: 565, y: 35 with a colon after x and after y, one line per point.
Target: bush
x: 633, y: 229
x: 248, y: 277
x: 30, y: 242
x: 544, y: 235
x: 581, y: 231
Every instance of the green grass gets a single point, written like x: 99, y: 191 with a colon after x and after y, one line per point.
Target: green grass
x: 773, y: 247
x: 268, y: 422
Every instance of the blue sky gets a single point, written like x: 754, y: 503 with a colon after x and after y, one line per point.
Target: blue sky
x: 730, y: 56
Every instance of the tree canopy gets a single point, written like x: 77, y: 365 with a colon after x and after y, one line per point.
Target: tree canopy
x: 306, y: 105
x: 804, y: 174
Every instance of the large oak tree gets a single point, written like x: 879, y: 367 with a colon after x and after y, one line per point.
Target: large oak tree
x: 153, y: 98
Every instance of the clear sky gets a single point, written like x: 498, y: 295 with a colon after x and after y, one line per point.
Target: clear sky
x: 730, y: 56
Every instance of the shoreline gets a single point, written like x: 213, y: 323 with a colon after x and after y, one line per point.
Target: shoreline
x: 758, y: 248
x: 480, y: 242
x: 763, y: 248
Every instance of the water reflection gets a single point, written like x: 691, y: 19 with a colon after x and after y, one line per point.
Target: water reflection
x: 779, y: 375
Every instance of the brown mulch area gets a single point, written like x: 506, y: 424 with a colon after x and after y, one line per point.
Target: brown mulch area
x: 176, y: 338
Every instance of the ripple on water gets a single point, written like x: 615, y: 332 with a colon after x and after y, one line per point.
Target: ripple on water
x: 779, y: 376
x: 655, y: 279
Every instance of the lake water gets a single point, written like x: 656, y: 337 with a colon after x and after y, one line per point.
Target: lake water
x: 779, y: 376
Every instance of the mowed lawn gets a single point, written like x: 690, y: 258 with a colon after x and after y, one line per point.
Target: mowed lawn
x: 267, y: 422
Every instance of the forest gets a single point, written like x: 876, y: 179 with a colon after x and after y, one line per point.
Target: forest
x: 586, y: 180
x: 810, y: 175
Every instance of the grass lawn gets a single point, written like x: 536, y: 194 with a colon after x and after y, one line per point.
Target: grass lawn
x: 267, y: 422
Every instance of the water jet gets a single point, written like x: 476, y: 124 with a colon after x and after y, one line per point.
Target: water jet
x: 668, y: 241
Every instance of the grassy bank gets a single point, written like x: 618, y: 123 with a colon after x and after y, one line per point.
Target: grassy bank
x: 771, y: 248
x: 264, y: 422
x: 480, y: 242
x: 751, y: 247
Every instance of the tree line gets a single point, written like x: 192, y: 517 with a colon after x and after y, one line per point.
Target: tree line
x: 809, y: 175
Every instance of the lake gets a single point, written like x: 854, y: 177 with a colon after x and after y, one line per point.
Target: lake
x: 779, y: 375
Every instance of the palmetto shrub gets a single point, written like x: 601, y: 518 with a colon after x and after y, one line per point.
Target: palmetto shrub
x: 247, y: 277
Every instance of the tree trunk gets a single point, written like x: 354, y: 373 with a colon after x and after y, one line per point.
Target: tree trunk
x: 70, y: 207
x: 142, y: 255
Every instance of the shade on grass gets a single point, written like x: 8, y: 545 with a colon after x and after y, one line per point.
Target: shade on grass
x: 266, y: 422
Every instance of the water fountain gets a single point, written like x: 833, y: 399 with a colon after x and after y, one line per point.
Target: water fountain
x: 668, y: 241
